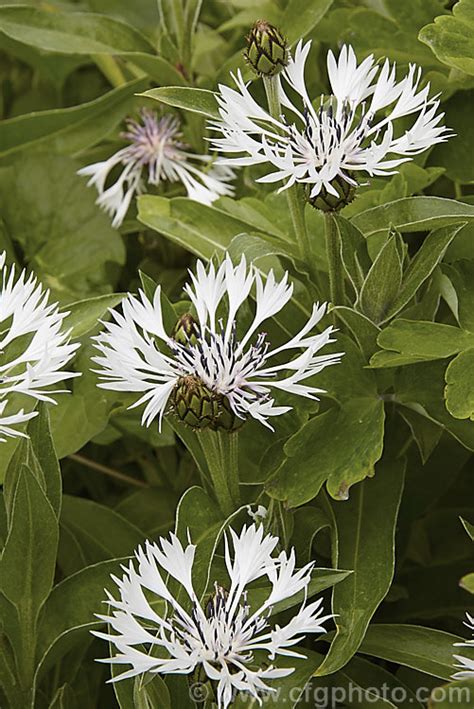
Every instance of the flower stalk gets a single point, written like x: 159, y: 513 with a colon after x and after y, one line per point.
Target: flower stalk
x: 220, y: 449
x: 335, y: 268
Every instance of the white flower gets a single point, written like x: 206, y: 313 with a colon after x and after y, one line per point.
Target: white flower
x: 259, y: 514
x: 220, y: 635
x: 138, y: 355
x: 466, y: 664
x: 353, y: 130
x: 155, y: 146
x: 33, y: 346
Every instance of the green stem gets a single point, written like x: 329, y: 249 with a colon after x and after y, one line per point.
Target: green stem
x: 333, y: 251
x: 220, y: 449
x: 293, y: 196
x: 110, y: 69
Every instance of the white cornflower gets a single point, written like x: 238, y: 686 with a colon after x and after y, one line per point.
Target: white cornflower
x: 155, y: 147
x: 218, y: 634
x: 220, y: 373
x: 353, y: 129
x: 33, y: 346
x: 466, y: 664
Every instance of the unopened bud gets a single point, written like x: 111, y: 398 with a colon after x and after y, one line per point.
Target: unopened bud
x: 186, y: 330
x: 194, y: 403
x: 267, y: 49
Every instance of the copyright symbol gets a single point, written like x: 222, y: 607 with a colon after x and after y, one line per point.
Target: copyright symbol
x: 198, y: 692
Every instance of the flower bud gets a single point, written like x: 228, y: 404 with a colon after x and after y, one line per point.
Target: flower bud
x: 267, y: 49
x: 194, y: 403
x: 327, y: 202
x: 199, y: 407
x: 186, y: 330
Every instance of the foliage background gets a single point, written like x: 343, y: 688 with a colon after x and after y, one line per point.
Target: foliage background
x: 376, y: 480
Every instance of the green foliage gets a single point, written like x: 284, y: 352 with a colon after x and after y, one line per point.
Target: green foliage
x: 373, y: 483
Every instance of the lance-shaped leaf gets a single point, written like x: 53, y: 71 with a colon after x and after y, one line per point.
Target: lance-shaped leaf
x: 382, y: 284
x: 422, y: 266
x: 200, y: 101
x: 68, y: 613
x: 28, y: 564
x: 301, y: 16
x: 84, y: 315
x: 68, y: 130
x: 366, y: 526
x: 413, y: 214
x: 423, y: 649
x: 196, y: 227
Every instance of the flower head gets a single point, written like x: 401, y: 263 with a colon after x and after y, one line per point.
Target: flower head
x: 226, y: 376
x: 353, y: 130
x: 33, y: 345
x: 155, y: 154
x: 219, y: 636
x: 466, y: 664
x: 267, y: 49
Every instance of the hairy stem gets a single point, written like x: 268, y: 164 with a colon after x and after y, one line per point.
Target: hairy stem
x: 333, y: 252
x: 221, y: 451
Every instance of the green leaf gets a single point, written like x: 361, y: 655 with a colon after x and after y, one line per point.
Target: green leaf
x: 459, y: 392
x: 301, y: 16
x: 462, y: 274
x: 196, y: 227
x: 84, y: 315
x: 289, y: 689
x: 416, y: 340
x: 426, y: 433
x: 100, y: 531
x: 27, y: 567
x: 69, y: 130
x: 424, y: 649
x: 201, y: 101
x: 321, y: 580
x: 66, y: 239
x: 349, y: 437
x: 467, y: 582
x: 63, y: 698
x: 366, y: 527
x: 350, y: 441
x: 199, y: 516
x: 461, y: 692
x: 354, y: 254
x: 82, y: 414
x: 150, y: 694
x: 454, y: 155
x: 451, y: 37
x: 43, y: 447
x: 468, y: 527
x: 29, y: 557
x: 363, y: 329
x: 70, y: 33
x: 382, y: 284
x: 361, y: 682
x: 422, y: 266
x: 413, y: 214
x: 68, y: 613
x: 420, y: 387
